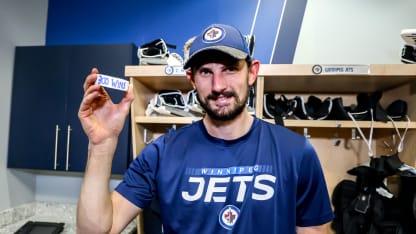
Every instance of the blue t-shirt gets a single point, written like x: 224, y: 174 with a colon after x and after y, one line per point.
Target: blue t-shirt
x: 268, y: 181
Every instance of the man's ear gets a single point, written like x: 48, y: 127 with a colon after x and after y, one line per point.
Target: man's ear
x: 190, y: 78
x: 254, y: 70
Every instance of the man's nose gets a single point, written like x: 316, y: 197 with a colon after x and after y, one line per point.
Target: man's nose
x: 219, y: 83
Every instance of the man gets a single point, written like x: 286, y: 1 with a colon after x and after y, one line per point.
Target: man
x: 228, y: 173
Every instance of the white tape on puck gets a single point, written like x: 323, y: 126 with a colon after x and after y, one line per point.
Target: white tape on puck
x: 112, y: 82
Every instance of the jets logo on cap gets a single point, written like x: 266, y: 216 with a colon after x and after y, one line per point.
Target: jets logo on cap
x: 228, y: 216
x: 213, y: 34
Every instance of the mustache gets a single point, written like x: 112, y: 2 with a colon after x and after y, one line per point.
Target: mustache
x: 215, y: 95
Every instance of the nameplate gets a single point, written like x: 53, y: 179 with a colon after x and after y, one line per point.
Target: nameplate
x: 174, y: 70
x: 359, y: 69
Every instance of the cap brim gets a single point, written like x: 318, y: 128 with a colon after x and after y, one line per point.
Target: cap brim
x: 235, y: 53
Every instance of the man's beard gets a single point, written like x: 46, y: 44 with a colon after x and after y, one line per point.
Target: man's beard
x: 229, y: 114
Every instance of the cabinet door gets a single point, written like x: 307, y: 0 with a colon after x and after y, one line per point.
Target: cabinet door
x: 47, y: 91
x: 38, y: 107
x: 110, y: 60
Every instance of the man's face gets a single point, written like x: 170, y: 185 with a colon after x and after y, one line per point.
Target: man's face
x: 223, y: 87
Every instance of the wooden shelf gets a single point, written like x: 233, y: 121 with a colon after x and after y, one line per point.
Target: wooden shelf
x: 155, y: 78
x: 290, y: 123
x: 165, y: 120
x: 295, y: 78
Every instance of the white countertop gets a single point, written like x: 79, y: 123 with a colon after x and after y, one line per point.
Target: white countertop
x: 12, y: 219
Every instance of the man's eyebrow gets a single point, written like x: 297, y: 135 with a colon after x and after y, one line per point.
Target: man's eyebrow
x: 203, y: 67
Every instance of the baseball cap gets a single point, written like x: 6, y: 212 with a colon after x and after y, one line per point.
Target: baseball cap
x: 219, y: 37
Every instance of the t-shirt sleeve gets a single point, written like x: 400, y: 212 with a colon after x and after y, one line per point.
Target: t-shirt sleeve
x: 138, y: 185
x: 313, y: 204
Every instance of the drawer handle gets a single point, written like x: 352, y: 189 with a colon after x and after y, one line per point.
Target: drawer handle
x: 55, y: 162
x: 68, y: 139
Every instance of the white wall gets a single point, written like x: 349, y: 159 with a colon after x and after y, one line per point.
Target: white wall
x: 333, y: 31
x: 62, y: 188
x: 21, y: 23
x: 354, y: 31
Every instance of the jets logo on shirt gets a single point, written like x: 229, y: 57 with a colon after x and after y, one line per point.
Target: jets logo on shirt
x: 228, y: 216
x: 213, y: 34
x: 213, y: 184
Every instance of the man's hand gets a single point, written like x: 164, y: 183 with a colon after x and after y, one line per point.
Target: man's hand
x: 100, y: 118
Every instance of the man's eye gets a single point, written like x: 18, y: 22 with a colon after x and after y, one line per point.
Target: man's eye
x: 204, y: 72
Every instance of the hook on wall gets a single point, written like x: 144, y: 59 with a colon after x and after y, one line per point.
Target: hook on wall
x: 305, y: 133
x: 337, y: 141
x: 147, y: 136
x: 388, y: 146
x: 354, y: 134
